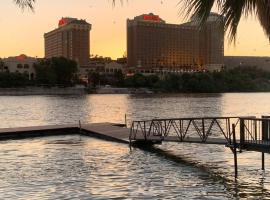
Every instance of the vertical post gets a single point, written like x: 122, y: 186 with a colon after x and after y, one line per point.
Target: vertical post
x: 203, y: 130
x: 126, y: 120
x: 242, y: 132
x: 181, y: 129
x: 130, y: 135
x: 265, y: 135
x: 80, y: 126
x: 229, y: 129
x: 235, y: 153
x: 265, y: 128
x: 144, y: 130
x: 263, y: 167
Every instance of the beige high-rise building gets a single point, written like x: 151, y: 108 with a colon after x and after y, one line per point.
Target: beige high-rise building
x: 71, y: 40
x: 153, y: 44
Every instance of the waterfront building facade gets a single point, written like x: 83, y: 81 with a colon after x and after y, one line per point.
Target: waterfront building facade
x: 71, y: 40
x: 156, y: 46
x: 20, y: 64
x: 106, y: 66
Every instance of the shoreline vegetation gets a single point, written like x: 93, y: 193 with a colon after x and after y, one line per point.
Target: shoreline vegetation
x: 241, y: 79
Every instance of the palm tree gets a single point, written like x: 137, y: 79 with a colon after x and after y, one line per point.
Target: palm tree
x: 232, y: 10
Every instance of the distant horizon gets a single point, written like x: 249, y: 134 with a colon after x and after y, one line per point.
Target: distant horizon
x: 122, y: 56
x: 108, y: 35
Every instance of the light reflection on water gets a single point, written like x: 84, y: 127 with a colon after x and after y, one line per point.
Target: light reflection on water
x: 77, y: 167
x: 55, y: 161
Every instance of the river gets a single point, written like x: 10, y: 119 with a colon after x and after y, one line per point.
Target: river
x: 75, y: 167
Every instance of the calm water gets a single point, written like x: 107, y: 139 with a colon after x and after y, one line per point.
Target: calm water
x: 76, y: 167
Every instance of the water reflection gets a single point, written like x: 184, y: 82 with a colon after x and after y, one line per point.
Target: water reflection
x: 89, y: 169
x: 240, y: 188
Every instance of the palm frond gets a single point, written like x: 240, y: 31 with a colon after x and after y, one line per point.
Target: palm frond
x: 198, y: 9
x: 263, y: 10
x: 114, y: 2
x: 232, y: 10
x: 25, y: 3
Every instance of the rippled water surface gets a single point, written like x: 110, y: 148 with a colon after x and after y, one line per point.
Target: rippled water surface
x: 87, y: 168
x: 77, y: 167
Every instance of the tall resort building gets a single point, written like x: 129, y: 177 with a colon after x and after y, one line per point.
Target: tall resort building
x: 71, y: 40
x: 153, y: 44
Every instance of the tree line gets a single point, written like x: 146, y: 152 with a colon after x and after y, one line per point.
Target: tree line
x: 241, y: 79
x: 63, y: 72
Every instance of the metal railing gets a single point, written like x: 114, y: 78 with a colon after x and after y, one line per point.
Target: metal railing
x: 181, y: 128
x: 255, y: 131
x: 243, y: 133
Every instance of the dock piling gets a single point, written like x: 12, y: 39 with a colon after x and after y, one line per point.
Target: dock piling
x: 235, y: 153
x: 263, y: 166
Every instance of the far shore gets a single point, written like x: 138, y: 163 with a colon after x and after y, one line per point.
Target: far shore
x: 42, y: 91
x: 27, y: 91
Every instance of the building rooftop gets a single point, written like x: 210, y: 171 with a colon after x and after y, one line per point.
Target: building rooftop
x: 149, y: 18
x: 68, y: 20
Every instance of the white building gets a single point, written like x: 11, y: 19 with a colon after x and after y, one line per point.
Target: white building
x: 20, y: 64
x: 112, y: 67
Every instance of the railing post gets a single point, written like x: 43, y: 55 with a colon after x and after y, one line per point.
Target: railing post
x: 229, y: 131
x: 181, y: 130
x: 263, y: 166
x: 235, y: 153
x: 130, y: 135
x: 131, y: 132
x: 242, y: 132
x: 203, y: 129
x: 80, y: 126
x: 144, y: 131
x: 265, y: 128
x: 265, y: 135
x: 126, y: 120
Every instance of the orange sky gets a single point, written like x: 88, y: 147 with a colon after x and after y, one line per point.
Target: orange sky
x: 22, y: 32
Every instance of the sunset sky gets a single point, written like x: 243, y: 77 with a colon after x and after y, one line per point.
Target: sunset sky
x: 22, y: 32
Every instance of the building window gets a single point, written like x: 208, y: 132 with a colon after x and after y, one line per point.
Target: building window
x: 19, y: 66
x: 26, y: 66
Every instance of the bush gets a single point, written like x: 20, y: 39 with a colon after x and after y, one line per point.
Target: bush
x: 249, y: 79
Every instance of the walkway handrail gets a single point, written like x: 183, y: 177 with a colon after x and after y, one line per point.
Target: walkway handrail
x: 140, y: 127
x: 254, y: 131
x: 181, y: 127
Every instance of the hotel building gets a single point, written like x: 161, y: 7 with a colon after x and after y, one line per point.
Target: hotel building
x: 71, y: 40
x: 153, y: 45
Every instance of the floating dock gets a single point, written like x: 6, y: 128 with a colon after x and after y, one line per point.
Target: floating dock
x: 107, y: 131
x: 252, y: 134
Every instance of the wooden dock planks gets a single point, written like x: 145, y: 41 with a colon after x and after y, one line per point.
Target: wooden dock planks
x: 107, y: 131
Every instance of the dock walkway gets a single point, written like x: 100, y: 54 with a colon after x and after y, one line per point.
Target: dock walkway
x: 106, y: 131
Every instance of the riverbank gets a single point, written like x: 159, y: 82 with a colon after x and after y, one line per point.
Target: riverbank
x: 115, y: 90
x: 42, y: 91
